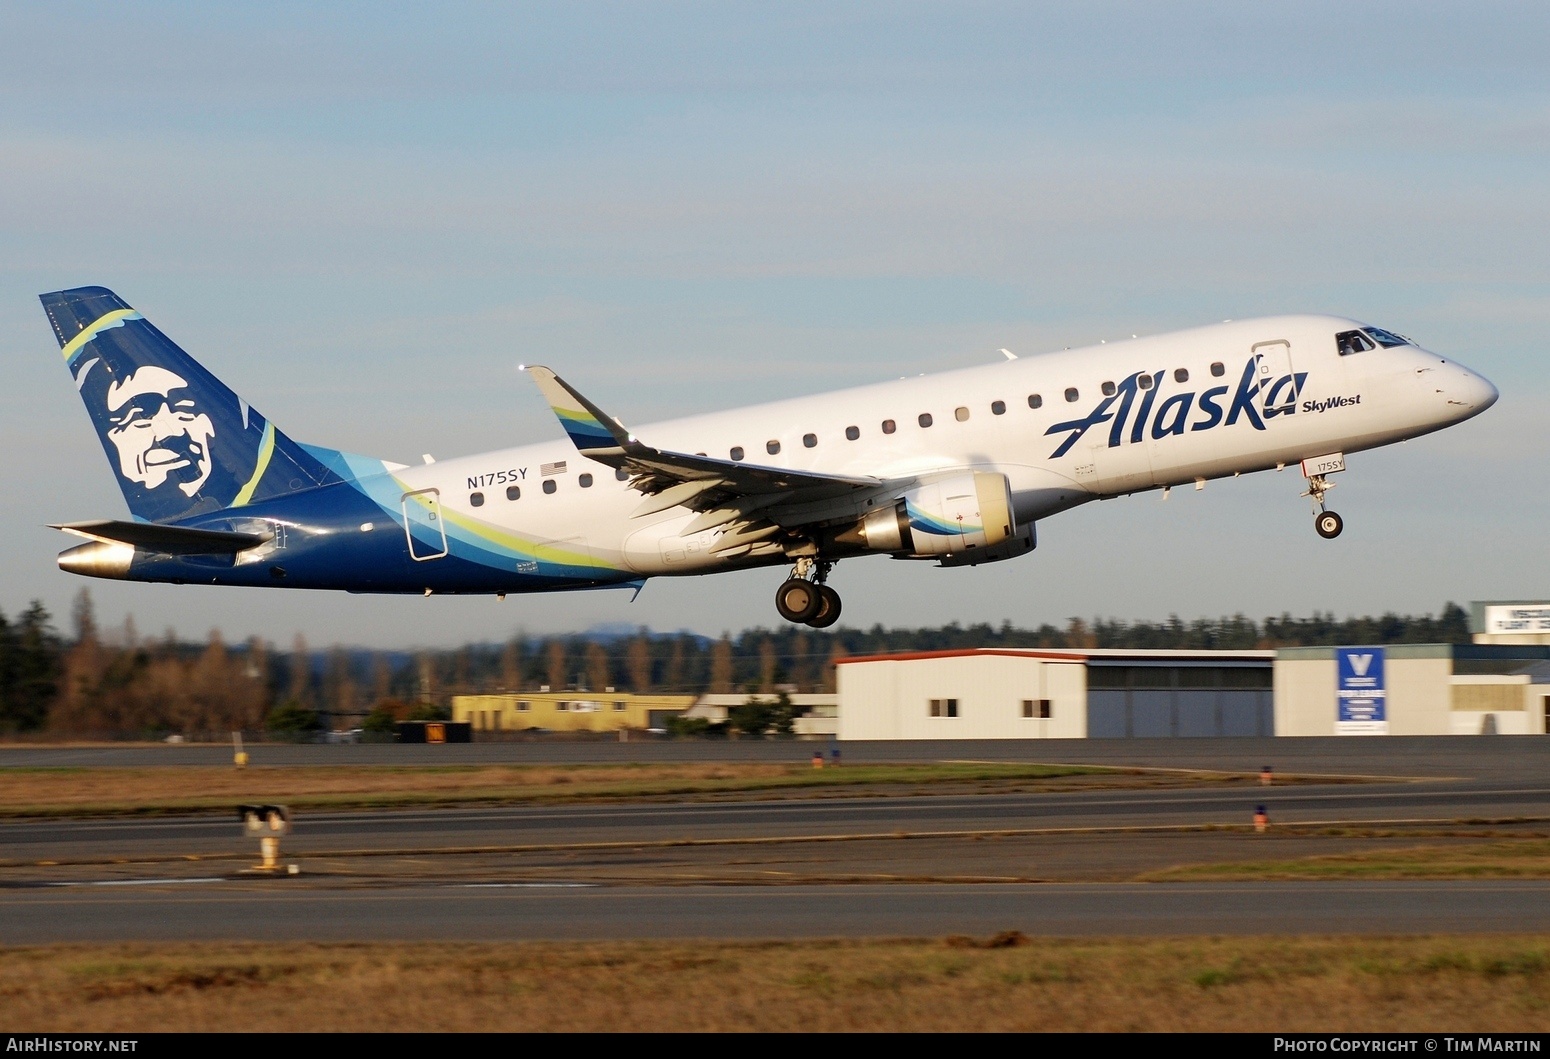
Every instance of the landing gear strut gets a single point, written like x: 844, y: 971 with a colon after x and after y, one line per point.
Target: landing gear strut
x: 1326, y: 523
x: 805, y: 599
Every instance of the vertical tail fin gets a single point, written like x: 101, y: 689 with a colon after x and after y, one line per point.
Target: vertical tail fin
x: 181, y: 442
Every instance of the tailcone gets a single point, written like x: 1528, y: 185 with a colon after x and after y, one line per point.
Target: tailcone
x: 109, y: 559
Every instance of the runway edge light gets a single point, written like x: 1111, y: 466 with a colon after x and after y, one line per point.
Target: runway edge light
x: 267, y: 823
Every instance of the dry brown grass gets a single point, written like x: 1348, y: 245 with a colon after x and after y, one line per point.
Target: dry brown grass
x: 1255, y: 984
x: 87, y: 791
x: 1517, y: 858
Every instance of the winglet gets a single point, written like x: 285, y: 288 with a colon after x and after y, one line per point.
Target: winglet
x: 594, y: 432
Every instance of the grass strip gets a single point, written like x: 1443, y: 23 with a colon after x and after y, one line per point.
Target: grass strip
x: 1512, y: 859
x: 1005, y: 982
x: 114, y: 791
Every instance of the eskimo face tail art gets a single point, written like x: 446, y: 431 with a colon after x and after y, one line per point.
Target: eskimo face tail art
x: 179, y: 440
x: 954, y: 468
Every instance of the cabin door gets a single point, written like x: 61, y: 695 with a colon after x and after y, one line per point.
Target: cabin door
x: 423, y: 525
x: 1277, y: 381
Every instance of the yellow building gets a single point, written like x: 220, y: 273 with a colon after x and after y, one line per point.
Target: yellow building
x: 568, y: 711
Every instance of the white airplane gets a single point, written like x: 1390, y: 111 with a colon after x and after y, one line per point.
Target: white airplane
x: 955, y: 468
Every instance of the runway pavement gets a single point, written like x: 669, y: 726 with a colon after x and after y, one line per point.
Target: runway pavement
x: 1478, y: 756
x: 482, y: 912
x: 665, y: 821
x: 1053, y: 863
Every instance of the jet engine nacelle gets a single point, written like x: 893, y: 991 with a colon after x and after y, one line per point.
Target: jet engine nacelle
x: 943, y: 516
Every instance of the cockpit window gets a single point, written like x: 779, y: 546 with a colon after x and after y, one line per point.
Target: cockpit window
x: 1387, y: 339
x: 1348, y: 342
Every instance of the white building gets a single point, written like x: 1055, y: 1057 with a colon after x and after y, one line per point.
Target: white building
x: 1413, y: 689
x: 1055, y: 694
x: 1510, y: 621
x: 818, y: 717
x: 1398, y: 689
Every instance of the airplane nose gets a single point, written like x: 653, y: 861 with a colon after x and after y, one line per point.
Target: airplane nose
x: 1477, y: 391
x: 1467, y: 393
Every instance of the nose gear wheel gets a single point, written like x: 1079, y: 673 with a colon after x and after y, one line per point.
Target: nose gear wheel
x: 1326, y: 524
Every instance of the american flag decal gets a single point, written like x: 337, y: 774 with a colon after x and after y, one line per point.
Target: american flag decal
x: 552, y: 468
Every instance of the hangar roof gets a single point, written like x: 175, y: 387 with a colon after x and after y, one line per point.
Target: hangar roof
x: 1091, y: 656
x: 1459, y: 652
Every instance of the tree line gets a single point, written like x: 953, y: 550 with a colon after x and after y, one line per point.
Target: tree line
x: 117, y: 683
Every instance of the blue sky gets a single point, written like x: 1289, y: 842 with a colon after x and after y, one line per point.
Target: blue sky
x: 364, y: 216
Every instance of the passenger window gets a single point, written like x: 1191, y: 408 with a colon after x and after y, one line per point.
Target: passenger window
x: 1071, y: 395
x: 585, y: 481
x: 852, y: 433
x: 925, y: 420
x: 476, y: 499
x: 622, y: 474
x: 1108, y: 389
x: 772, y: 447
x: 810, y: 440
x: 737, y: 452
x: 961, y: 414
x: 998, y: 408
x: 1348, y: 342
x: 1181, y: 375
x: 549, y: 485
x: 889, y: 426
x: 513, y: 492
x: 1035, y: 401
x: 1145, y: 382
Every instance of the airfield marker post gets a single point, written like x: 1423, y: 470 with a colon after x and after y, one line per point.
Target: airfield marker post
x: 267, y: 823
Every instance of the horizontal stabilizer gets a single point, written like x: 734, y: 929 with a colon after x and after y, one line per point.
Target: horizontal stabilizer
x: 169, y: 540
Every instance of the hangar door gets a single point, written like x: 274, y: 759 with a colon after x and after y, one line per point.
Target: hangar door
x: 1140, y: 701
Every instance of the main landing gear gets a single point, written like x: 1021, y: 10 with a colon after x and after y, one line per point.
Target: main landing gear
x: 805, y: 598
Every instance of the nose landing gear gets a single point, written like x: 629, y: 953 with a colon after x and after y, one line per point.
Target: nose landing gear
x: 1326, y: 524
x: 805, y: 599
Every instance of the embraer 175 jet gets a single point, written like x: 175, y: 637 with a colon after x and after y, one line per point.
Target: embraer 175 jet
x: 956, y: 467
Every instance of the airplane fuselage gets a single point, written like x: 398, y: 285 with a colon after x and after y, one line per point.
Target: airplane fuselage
x: 1063, y: 428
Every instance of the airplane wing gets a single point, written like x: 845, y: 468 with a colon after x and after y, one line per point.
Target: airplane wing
x: 725, y: 491
x: 169, y: 540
